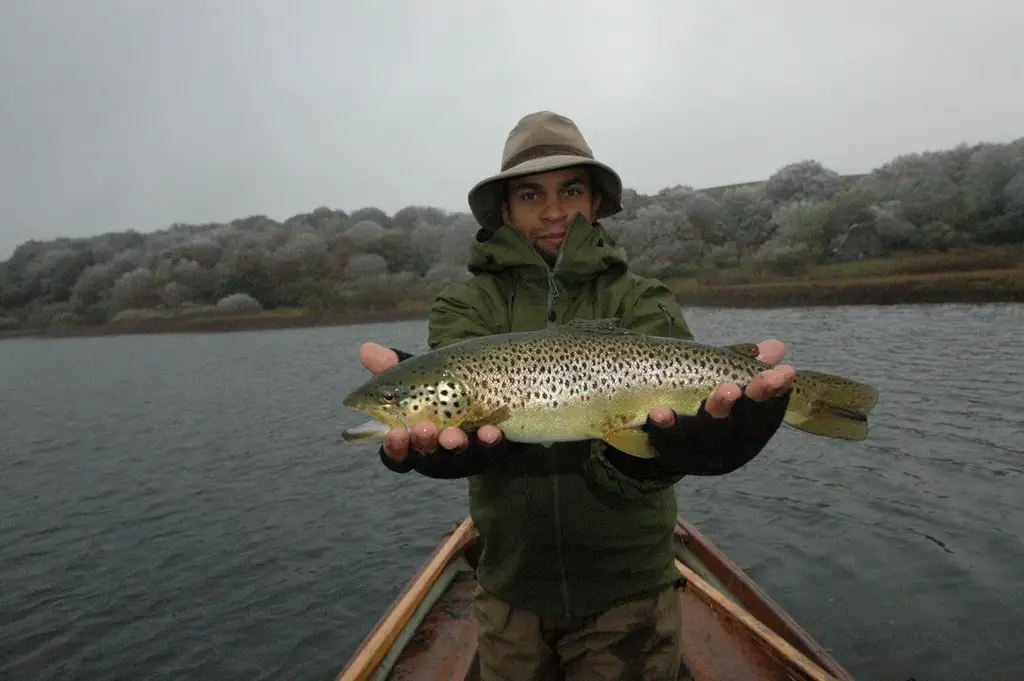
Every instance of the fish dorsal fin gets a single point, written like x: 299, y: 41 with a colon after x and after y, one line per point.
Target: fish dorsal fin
x: 746, y: 349
x: 611, y: 325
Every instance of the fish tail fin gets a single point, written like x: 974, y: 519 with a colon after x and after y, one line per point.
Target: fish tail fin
x: 832, y: 406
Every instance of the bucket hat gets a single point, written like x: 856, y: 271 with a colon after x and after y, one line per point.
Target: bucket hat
x: 540, y: 142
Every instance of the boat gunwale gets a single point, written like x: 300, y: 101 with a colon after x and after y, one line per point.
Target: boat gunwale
x: 744, y: 602
x: 367, y: 658
x: 756, y: 600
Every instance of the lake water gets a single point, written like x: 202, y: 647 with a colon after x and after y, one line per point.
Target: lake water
x: 183, y: 506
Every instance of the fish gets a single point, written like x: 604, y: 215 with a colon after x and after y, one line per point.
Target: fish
x: 372, y: 430
x: 587, y: 380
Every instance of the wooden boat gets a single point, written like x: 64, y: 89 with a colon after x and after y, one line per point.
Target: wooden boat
x: 732, y: 630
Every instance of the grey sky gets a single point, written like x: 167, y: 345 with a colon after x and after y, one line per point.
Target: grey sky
x: 136, y: 114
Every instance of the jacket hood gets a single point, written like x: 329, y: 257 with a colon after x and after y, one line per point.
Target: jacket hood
x: 588, y: 250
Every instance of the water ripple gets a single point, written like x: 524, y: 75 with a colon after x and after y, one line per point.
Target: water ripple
x: 183, y: 505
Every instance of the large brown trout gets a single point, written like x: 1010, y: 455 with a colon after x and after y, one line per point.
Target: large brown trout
x: 587, y: 380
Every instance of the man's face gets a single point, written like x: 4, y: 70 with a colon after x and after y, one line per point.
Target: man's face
x: 541, y: 206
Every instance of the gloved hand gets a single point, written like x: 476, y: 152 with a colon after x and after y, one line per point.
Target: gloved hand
x: 461, y: 462
x: 704, y: 445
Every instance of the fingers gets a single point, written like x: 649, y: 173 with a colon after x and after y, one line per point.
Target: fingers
x: 764, y: 386
x: 376, y: 357
x: 720, y: 402
x: 396, y: 444
x: 770, y: 383
x: 425, y: 438
x: 771, y: 351
x: 489, y: 435
x: 453, y: 438
x: 663, y: 417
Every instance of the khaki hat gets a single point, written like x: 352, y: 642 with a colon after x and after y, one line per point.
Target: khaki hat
x: 540, y: 142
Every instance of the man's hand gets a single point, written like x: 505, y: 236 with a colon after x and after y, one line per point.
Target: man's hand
x: 377, y: 358
x: 424, y: 436
x: 765, y: 385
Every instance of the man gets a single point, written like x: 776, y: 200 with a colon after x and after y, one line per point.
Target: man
x: 577, y: 577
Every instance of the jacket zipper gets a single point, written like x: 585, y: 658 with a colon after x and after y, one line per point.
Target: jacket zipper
x: 668, y: 316
x: 512, y: 300
x: 511, y: 306
x: 558, y: 542
x: 553, y: 294
x: 553, y: 291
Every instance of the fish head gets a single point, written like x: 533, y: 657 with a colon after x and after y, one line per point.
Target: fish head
x: 402, y: 399
x: 383, y: 398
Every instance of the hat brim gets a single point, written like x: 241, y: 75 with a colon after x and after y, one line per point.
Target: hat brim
x: 486, y: 196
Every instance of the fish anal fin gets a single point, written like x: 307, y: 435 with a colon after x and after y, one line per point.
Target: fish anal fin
x: 632, y: 441
x: 624, y: 430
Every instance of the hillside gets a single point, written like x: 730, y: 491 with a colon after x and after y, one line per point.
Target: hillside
x: 955, y: 211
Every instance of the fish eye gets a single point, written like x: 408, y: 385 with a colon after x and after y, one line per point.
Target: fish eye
x: 389, y: 396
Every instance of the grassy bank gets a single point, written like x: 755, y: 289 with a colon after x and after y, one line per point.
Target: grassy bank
x: 282, y: 318
x: 979, y: 276
x: 986, y: 286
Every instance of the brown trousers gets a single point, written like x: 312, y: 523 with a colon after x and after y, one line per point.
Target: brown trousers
x: 635, y: 641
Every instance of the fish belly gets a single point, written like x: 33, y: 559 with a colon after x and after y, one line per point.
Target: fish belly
x: 595, y: 418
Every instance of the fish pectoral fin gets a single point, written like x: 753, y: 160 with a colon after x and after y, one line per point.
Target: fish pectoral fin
x: 745, y: 349
x: 632, y: 441
x: 495, y: 418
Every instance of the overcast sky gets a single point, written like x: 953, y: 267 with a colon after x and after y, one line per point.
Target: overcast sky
x: 136, y: 114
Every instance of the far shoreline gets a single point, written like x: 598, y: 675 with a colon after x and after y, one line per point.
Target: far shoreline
x: 1003, y: 285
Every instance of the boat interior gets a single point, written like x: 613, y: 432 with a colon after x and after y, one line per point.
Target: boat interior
x: 732, y: 630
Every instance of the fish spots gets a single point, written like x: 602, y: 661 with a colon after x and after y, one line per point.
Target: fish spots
x: 563, y: 368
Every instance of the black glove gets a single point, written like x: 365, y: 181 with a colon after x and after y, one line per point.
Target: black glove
x: 463, y: 462
x: 704, y: 445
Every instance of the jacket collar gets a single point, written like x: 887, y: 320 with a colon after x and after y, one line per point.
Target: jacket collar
x: 588, y: 250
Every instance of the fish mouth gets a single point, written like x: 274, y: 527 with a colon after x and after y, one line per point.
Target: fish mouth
x: 389, y: 417
x: 383, y: 420
x: 358, y: 401
x: 371, y: 430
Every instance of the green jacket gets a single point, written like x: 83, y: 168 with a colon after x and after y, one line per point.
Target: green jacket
x: 570, y: 535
